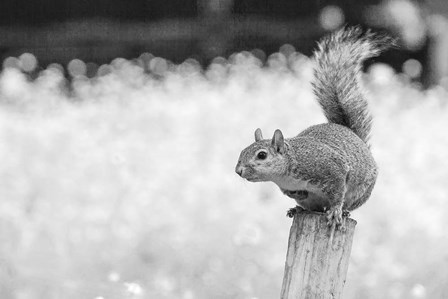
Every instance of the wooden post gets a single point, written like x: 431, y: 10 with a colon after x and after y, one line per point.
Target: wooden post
x: 317, y: 259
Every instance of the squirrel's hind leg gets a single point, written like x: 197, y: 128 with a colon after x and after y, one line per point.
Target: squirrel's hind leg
x: 357, y: 203
x: 336, y: 198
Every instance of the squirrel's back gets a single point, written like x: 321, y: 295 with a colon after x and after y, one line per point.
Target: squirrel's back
x: 336, y: 84
x: 342, y: 140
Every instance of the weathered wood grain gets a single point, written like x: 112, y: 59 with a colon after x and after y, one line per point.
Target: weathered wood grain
x: 317, y: 259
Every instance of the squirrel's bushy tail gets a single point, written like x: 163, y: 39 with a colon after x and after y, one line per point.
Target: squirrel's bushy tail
x: 336, y: 84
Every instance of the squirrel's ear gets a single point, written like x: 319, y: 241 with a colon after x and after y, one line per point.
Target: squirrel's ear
x: 278, y: 142
x: 258, y: 135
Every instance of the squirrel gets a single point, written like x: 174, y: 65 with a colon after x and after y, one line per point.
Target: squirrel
x: 327, y: 167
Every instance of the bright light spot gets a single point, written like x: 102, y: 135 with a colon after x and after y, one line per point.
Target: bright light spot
x: 437, y: 24
x: 217, y: 69
x: 277, y: 61
x: 418, y: 291
x: 119, y: 62
x: 246, y: 59
x: 56, y: 67
x: 190, y: 66
x: 133, y: 288
x: 28, y: 62
x: 76, y: 68
x: 408, y: 21
x: 301, y: 65
x: 146, y: 56
x: 287, y: 50
x: 113, y: 276
x: 412, y: 68
x: 144, y: 59
x: 331, y: 17
x: 188, y: 294
x: 158, y: 66
x: 99, y: 297
x: 11, y: 62
x: 104, y: 70
x: 260, y: 54
x: 13, y: 83
x: 381, y: 73
x: 219, y: 60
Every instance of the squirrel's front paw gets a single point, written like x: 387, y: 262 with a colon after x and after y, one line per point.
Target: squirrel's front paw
x: 293, y: 211
x: 334, y: 216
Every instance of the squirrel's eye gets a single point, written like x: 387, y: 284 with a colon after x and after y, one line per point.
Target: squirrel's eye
x: 262, y: 155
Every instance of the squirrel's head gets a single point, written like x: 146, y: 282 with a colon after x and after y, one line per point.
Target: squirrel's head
x: 263, y: 160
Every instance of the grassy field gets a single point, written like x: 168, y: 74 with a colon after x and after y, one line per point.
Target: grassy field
x: 123, y: 186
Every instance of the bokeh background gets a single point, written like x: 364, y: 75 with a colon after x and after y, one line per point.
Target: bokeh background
x: 121, y: 123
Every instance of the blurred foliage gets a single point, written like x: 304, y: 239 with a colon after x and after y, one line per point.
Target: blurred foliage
x: 123, y: 185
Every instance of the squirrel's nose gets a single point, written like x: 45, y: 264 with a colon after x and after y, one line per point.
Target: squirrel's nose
x: 239, y: 170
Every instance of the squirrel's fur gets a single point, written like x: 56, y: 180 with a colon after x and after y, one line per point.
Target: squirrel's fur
x: 327, y: 167
x: 338, y: 66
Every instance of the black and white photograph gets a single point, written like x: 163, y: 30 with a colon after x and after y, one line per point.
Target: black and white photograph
x: 223, y: 149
